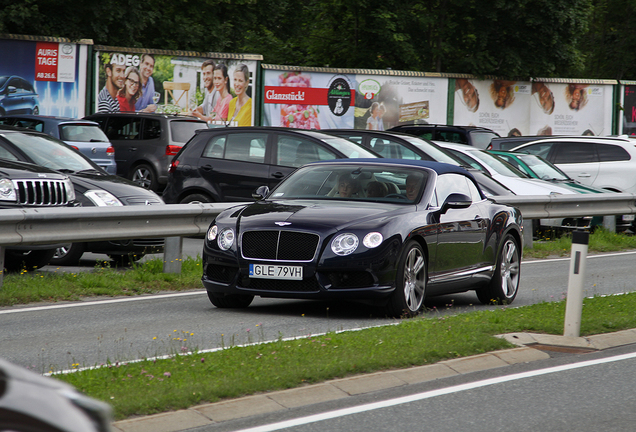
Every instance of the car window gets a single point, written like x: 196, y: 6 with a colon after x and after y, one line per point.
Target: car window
x: 611, y: 153
x: 434, y: 152
x: 123, y: 128
x: 451, y: 136
x: 355, y: 138
x: 295, y: 152
x: 422, y: 134
x: 467, y: 160
x: 453, y: 183
x: 541, y: 149
x: 215, y: 147
x: 182, y: 130
x: 82, y: 133
x: 248, y: 147
x: 5, y: 153
x: 515, y: 163
x: 50, y: 152
x: 152, y: 129
x: 37, y: 125
x: 481, y: 139
x: 571, y: 152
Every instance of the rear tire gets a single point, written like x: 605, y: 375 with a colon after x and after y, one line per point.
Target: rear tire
x: 504, y: 284
x: 144, y: 175
x: 232, y: 301
x: 196, y: 198
x: 410, y: 285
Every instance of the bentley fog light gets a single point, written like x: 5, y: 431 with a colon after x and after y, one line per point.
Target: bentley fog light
x: 7, y: 191
x: 212, y: 233
x: 372, y: 240
x: 344, y: 244
x: 226, y: 238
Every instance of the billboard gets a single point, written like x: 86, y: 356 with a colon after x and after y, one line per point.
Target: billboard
x: 217, y: 88
x: 43, y: 77
x: 628, y: 126
x: 320, y: 98
x: 513, y: 108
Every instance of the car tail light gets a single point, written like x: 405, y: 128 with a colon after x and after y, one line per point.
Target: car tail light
x: 173, y: 166
x: 172, y: 150
x: 110, y: 151
x: 75, y: 147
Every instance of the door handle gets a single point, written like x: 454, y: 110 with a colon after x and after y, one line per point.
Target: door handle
x: 278, y: 174
x: 207, y: 168
x: 585, y: 175
x: 132, y: 149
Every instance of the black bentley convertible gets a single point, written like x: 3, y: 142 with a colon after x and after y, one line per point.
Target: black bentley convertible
x: 385, y: 231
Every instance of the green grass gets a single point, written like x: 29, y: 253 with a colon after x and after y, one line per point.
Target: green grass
x: 154, y: 386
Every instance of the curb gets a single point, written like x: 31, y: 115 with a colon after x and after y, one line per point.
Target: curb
x: 531, y: 348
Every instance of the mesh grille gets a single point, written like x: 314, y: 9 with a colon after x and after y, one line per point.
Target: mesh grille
x: 279, y: 245
x: 41, y: 192
x: 220, y: 273
x: 353, y: 279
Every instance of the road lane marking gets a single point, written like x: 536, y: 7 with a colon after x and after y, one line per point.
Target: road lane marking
x: 431, y: 394
x: 100, y: 302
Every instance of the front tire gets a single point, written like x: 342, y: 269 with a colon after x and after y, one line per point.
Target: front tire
x: 232, y: 301
x: 68, y: 255
x: 196, y: 198
x: 144, y: 175
x: 410, y: 284
x: 504, y: 284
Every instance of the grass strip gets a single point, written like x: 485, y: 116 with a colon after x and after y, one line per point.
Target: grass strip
x: 154, y: 386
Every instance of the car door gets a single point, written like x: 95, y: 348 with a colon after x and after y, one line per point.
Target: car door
x: 234, y: 164
x: 123, y: 132
x: 579, y: 160
x: 461, y: 233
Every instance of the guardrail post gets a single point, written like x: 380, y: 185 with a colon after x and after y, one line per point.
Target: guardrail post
x: 574, y: 302
x: 528, y: 233
x: 172, y: 254
x: 2, y: 250
x: 609, y: 223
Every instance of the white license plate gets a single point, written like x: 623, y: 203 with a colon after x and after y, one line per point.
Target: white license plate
x: 272, y: 271
x: 629, y: 218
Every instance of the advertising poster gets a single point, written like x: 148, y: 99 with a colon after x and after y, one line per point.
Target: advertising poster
x: 308, y: 100
x: 570, y: 109
x: 42, y: 78
x: 385, y: 101
x: 629, y: 109
x: 500, y: 105
x: 219, y: 90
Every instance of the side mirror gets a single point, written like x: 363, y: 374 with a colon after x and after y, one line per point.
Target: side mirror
x: 260, y: 193
x: 456, y: 201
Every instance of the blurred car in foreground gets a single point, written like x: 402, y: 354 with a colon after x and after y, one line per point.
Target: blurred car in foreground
x: 475, y: 136
x: 386, y: 231
x: 228, y: 164
x: 33, y: 403
x: 145, y: 143
x: 92, y: 185
x: 83, y: 135
x: 17, y: 96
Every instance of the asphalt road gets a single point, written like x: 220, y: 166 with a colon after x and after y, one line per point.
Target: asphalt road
x: 56, y: 336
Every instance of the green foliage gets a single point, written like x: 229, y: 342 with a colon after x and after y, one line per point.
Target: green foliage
x: 568, y: 38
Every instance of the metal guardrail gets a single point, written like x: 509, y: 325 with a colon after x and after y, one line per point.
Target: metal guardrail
x: 174, y: 221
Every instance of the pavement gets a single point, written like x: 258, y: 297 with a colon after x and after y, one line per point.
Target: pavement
x: 530, y: 347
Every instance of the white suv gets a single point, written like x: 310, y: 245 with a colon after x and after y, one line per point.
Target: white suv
x: 603, y: 162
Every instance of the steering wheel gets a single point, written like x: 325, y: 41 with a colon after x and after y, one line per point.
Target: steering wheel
x: 394, y: 195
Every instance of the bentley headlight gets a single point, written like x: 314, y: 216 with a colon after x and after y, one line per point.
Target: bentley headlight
x: 101, y: 198
x: 212, y: 233
x: 226, y: 238
x: 372, y: 240
x: 7, y: 191
x: 344, y: 244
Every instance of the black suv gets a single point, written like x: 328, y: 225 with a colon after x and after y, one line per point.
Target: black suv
x: 229, y: 164
x: 472, y: 135
x: 24, y: 185
x: 145, y: 143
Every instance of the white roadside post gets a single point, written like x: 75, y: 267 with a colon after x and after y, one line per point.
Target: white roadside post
x: 574, y: 302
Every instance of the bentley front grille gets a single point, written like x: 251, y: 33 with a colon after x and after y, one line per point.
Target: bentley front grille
x: 279, y: 245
